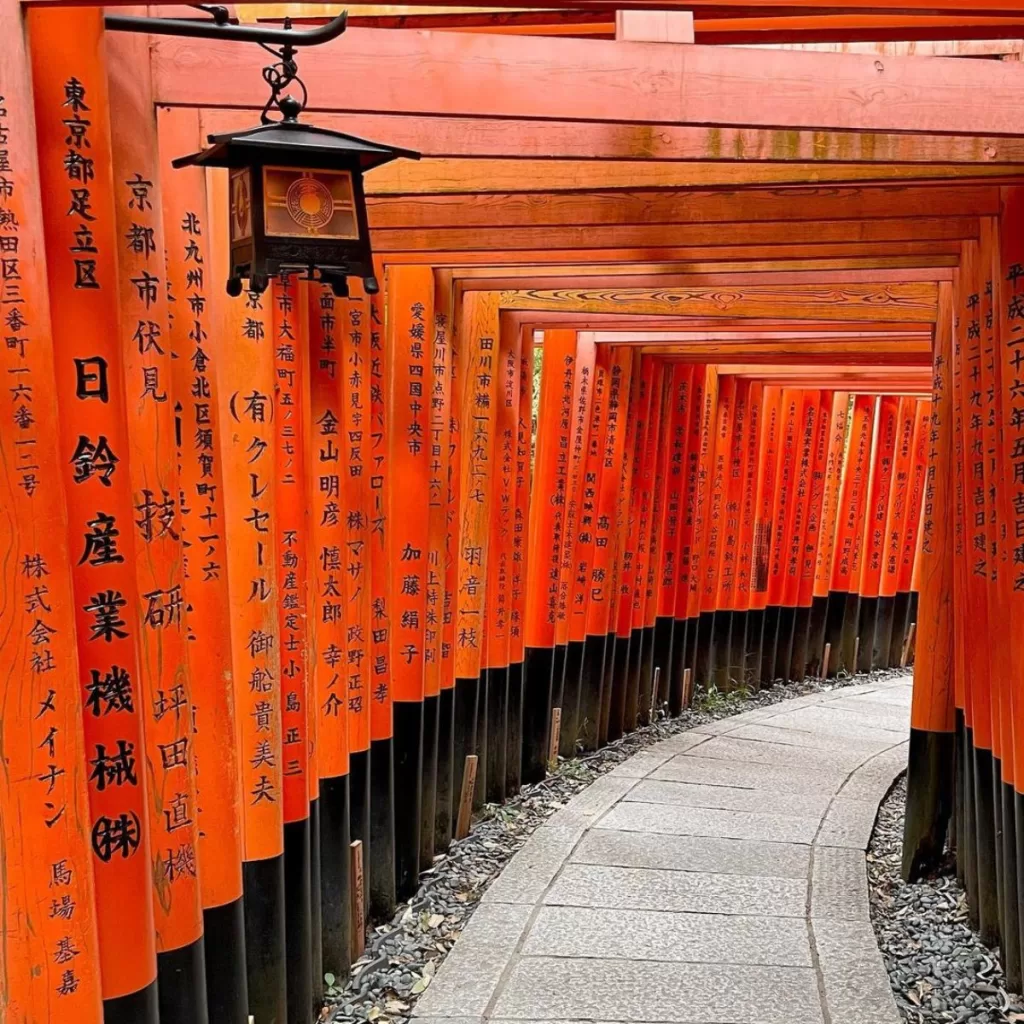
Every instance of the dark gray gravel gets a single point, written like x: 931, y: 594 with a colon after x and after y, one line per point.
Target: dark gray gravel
x: 938, y: 968
x: 403, y: 954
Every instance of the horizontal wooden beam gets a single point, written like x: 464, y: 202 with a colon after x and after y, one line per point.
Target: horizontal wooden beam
x: 684, y: 207
x: 706, y: 237
x: 895, y: 303
x: 481, y: 75
x: 755, y: 352
x: 491, y: 137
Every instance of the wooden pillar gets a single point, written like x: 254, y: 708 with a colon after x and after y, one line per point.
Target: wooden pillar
x: 52, y: 961
x: 929, y: 778
x: 327, y: 628
x: 72, y: 122
x: 202, y: 525
x: 745, y: 633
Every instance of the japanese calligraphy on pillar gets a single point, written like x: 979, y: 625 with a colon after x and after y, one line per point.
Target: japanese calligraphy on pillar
x: 51, y: 964
x: 71, y: 109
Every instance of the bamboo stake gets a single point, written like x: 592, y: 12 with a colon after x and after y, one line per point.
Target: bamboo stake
x: 687, y: 687
x: 824, y: 661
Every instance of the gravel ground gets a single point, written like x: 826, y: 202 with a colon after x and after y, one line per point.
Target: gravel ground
x: 938, y: 968
x: 403, y: 954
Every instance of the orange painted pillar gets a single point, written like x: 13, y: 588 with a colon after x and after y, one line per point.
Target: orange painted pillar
x: 547, y: 505
x: 203, y: 533
x: 745, y: 633
x: 72, y: 123
x: 327, y: 625
x: 51, y: 961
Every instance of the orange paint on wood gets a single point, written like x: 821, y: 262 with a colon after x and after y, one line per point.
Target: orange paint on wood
x: 50, y: 961
x: 877, y: 507
x: 803, y: 469
x: 896, y: 516
x: 771, y: 430
x: 71, y: 112
x: 815, y: 508
x: 705, y: 451
x: 849, y: 511
x: 201, y: 517
x: 643, y: 580
x: 748, y: 503
x: 922, y: 431
x: 732, y: 510
x: 782, y: 505
x: 524, y: 444
x: 721, y: 472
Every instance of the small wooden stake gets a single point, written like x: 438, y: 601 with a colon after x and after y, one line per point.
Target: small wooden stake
x: 466, y: 798
x: 907, y: 645
x: 654, y: 689
x: 824, y: 661
x: 358, y: 900
x: 856, y: 656
x: 556, y: 729
x: 687, y: 687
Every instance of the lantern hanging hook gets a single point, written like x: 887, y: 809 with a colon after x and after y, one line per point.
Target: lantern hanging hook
x: 279, y: 77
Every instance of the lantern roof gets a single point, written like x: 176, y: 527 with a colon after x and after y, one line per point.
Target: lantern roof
x: 291, y: 142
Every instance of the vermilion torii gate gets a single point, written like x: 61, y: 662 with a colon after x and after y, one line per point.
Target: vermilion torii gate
x: 690, y: 365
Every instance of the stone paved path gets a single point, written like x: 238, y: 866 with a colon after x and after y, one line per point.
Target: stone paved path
x: 717, y: 877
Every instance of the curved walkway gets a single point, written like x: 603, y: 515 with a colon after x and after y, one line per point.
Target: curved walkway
x: 717, y: 877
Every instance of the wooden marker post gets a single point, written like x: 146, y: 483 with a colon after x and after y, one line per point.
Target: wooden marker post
x: 465, y: 815
x: 51, y: 968
x: 327, y: 629
x: 930, y: 765
x: 687, y: 687
x: 826, y: 656
x: 410, y: 293
x: 556, y: 735
x: 876, y: 514
x: 760, y: 568
x: 830, y: 511
x: 544, y: 548
x: 75, y: 173
x: 201, y: 524
x: 290, y: 319
x: 381, y: 883
x: 358, y: 909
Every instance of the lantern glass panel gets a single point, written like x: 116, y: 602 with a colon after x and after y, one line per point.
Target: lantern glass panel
x: 241, y: 205
x: 309, y: 203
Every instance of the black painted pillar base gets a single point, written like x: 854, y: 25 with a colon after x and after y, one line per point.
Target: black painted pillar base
x: 591, y: 691
x: 572, y: 694
x: 428, y: 801
x: 335, y: 878
x: 769, y: 644
x: 866, y: 632
x: 884, y: 613
x: 679, y: 664
x: 721, y: 645
x: 620, y: 671
x: 224, y: 948
x: 834, y: 619
x: 514, y: 742
x: 784, y: 647
x: 959, y: 846
x: 263, y: 885
x: 970, y: 831
x: 480, y: 732
x: 631, y: 707
x: 408, y: 759
x: 607, y: 688
x: 444, y: 794
x: 463, y: 736
x: 380, y: 876
x: 752, y: 649
x: 900, y: 625
x: 181, y: 984
x: 930, y: 762
x: 538, y: 663
x: 738, y: 649
x: 359, y: 806
x: 316, y: 920
x: 701, y: 663
x: 142, y: 1007
x: 1018, y: 868
x: 851, y: 625
x: 497, y: 733
x: 997, y: 817
x: 662, y: 643
x: 1010, y: 930
x: 816, y: 635
x: 298, y: 924
x: 646, y: 692
x: 985, y: 825
x: 800, y: 656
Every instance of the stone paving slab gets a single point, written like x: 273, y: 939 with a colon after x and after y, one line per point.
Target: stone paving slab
x: 717, y: 877
x: 726, y: 798
x: 592, y: 885
x: 710, y: 854
x: 671, y: 937
x: 542, y: 988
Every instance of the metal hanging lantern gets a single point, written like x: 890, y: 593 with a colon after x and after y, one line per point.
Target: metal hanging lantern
x: 296, y: 199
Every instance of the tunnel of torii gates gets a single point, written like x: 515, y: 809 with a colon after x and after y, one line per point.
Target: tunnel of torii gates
x: 692, y: 367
